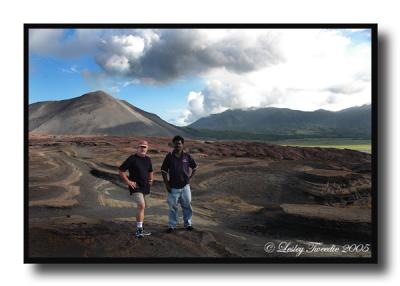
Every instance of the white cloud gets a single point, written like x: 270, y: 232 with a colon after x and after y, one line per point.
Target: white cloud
x: 72, y: 69
x: 114, y: 89
x: 42, y: 41
x: 161, y: 56
x: 129, y: 45
x: 219, y: 96
x: 130, y: 82
x: 55, y: 42
x: 304, y: 69
x: 321, y: 69
x: 117, y: 63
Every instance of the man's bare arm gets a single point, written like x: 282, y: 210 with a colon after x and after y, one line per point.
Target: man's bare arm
x: 126, y: 179
x: 151, y: 178
x: 166, y: 182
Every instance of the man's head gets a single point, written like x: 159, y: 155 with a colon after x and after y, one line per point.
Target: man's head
x: 178, y: 142
x: 142, y: 148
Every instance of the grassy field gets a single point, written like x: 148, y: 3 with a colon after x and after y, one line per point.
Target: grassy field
x: 354, y: 144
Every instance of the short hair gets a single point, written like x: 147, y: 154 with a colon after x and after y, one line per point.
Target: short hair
x: 178, y: 138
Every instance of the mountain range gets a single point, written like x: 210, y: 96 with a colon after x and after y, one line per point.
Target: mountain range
x: 99, y: 113
x: 350, y: 122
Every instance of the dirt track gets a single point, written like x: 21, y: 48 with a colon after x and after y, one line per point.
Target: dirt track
x: 244, y: 195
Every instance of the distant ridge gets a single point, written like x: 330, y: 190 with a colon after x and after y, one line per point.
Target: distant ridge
x: 349, y: 122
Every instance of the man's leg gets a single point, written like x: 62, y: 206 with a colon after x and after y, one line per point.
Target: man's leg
x: 186, y: 199
x: 172, y: 200
x: 140, y: 205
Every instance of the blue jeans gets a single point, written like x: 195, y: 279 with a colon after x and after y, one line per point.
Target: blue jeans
x: 183, y: 197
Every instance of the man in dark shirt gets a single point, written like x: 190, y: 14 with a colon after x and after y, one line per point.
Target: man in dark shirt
x: 176, y: 166
x: 139, y: 181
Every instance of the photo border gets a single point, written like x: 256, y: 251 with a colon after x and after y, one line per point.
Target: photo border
x: 266, y: 260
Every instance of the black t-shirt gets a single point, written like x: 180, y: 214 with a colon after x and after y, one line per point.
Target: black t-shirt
x: 139, y: 168
x: 178, y: 169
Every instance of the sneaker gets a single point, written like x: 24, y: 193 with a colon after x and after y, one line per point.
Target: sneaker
x: 189, y: 227
x: 170, y: 229
x: 140, y: 232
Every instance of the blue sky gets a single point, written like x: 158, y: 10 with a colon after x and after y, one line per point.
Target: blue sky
x: 53, y: 78
x: 182, y: 75
x: 56, y: 78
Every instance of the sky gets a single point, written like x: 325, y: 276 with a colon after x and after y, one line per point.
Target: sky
x: 185, y: 74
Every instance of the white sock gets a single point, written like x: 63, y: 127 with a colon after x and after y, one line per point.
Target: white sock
x: 139, y: 224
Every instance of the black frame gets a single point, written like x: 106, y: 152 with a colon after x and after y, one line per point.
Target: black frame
x: 374, y: 148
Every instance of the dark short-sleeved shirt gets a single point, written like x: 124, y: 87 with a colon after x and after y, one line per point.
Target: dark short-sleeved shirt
x: 139, y: 168
x: 178, y: 169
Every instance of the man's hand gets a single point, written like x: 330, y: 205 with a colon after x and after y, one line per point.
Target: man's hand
x: 124, y: 177
x: 150, y: 182
x: 132, y: 184
x: 166, y: 182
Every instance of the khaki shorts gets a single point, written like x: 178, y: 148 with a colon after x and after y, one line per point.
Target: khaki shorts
x: 140, y: 198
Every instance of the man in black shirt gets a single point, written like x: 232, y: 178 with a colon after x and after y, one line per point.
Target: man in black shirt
x: 139, y: 181
x: 176, y: 165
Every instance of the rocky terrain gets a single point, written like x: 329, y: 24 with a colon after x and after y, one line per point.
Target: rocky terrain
x: 244, y: 195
